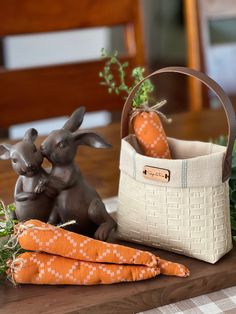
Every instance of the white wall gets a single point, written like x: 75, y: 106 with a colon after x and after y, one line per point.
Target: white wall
x: 42, y: 49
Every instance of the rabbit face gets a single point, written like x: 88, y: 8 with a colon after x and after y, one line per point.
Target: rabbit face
x: 59, y: 147
x: 25, y: 158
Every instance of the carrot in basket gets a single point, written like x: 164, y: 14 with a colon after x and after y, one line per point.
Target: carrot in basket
x: 42, y: 268
x: 145, y: 120
x: 149, y: 132
x: 35, y: 235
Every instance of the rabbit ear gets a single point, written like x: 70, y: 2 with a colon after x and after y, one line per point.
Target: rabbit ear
x: 5, y: 151
x: 75, y: 120
x: 90, y: 139
x: 30, y: 135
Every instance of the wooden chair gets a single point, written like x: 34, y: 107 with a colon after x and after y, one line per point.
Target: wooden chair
x: 216, y: 59
x: 44, y: 92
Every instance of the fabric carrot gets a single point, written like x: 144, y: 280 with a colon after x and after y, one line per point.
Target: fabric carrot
x: 63, y: 257
x: 172, y: 269
x: 149, y: 132
x: 146, y: 122
x: 35, y: 235
x: 41, y: 268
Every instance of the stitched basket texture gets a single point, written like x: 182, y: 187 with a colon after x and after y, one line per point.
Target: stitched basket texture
x: 189, y: 214
x: 190, y: 221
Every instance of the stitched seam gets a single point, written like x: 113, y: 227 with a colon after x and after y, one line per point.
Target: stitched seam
x: 184, y: 174
x: 186, y: 169
x: 134, y: 164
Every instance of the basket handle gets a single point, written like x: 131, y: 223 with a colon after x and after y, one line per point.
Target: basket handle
x: 211, y: 84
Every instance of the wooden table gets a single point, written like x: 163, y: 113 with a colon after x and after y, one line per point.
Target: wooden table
x: 101, y: 169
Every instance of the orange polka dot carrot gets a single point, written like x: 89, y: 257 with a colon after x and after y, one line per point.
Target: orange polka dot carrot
x: 150, y: 134
x: 63, y: 257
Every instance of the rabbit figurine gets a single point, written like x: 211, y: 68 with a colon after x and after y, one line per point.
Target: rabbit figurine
x: 26, y: 161
x: 77, y: 200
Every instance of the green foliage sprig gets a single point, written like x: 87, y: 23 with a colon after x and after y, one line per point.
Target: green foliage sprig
x: 222, y: 140
x: 118, y: 87
x: 7, y: 224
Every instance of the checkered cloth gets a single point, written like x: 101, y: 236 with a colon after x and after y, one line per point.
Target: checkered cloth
x: 223, y: 301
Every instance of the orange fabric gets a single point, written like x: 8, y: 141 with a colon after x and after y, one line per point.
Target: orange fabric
x: 44, y: 237
x: 172, y: 269
x: 41, y: 268
x: 150, y: 134
x: 77, y: 259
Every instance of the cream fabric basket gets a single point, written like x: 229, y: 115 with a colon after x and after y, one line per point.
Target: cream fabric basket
x: 183, y: 206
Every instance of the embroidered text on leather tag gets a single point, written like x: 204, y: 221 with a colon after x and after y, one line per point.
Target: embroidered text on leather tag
x: 157, y: 174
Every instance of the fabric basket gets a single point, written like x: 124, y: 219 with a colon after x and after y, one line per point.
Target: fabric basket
x: 183, y: 205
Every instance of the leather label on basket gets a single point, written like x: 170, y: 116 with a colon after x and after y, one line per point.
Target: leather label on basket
x: 157, y: 174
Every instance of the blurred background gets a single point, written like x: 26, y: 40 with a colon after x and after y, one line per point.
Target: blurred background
x: 45, y: 47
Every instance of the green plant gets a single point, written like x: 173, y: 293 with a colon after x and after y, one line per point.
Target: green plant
x: 120, y: 86
x: 6, y: 222
x: 222, y: 140
x: 8, y: 249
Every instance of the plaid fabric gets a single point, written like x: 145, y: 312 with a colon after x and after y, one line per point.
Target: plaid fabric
x: 223, y: 301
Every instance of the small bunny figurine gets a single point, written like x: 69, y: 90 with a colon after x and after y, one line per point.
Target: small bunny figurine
x: 26, y: 161
x: 77, y: 200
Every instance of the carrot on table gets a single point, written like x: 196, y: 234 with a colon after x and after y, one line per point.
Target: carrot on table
x: 172, y: 269
x: 35, y: 235
x: 42, y: 268
x: 70, y: 258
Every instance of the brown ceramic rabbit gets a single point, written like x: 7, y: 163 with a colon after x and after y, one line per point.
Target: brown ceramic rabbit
x: 26, y: 161
x: 78, y: 200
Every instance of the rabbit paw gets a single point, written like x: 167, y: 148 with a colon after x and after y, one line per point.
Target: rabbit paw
x: 25, y: 196
x: 41, y: 187
x: 103, y: 231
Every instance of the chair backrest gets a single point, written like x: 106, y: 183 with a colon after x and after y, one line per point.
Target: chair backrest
x: 43, y: 92
x: 217, y: 59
